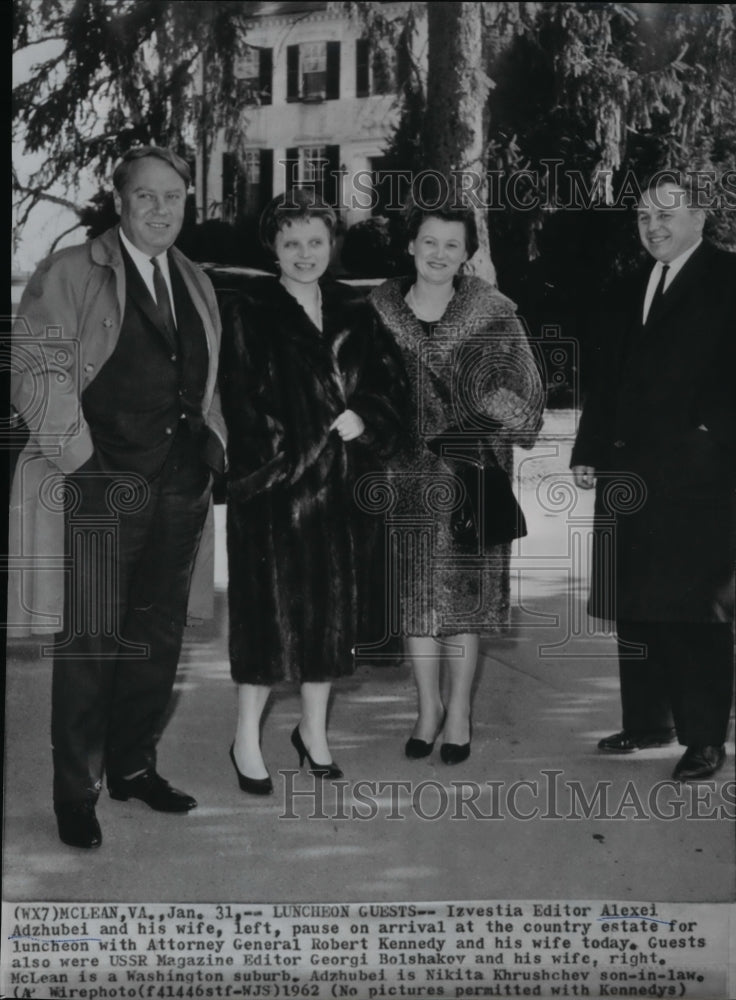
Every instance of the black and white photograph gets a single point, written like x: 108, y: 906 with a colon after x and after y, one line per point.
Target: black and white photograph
x: 372, y: 500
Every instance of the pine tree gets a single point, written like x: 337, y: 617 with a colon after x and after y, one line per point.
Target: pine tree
x: 119, y: 74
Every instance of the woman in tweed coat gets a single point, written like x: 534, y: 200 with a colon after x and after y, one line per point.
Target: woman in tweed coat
x: 474, y: 385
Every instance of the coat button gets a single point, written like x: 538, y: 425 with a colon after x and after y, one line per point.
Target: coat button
x: 89, y: 368
x: 173, y: 357
x: 107, y: 323
x: 169, y: 430
x: 619, y: 444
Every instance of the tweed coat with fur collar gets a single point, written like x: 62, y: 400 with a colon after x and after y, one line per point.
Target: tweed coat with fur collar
x: 293, y: 540
x: 471, y: 373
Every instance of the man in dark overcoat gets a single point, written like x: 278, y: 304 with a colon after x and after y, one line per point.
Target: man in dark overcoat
x: 657, y: 436
x: 115, y: 375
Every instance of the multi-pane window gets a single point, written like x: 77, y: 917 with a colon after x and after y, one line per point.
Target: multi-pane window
x: 313, y: 59
x: 247, y: 182
x: 248, y: 65
x: 313, y: 161
x: 253, y: 73
x: 313, y: 71
x: 315, y: 166
x: 379, y: 69
x: 252, y: 166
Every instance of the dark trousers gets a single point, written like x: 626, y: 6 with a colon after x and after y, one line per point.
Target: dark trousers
x: 684, y: 681
x: 131, y: 548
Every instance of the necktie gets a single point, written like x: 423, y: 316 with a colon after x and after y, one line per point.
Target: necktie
x: 162, y: 296
x: 659, y: 290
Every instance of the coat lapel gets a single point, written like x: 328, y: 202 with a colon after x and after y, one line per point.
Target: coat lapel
x: 312, y: 346
x: 683, y: 284
x: 397, y: 315
x: 409, y: 332
x: 178, y: 262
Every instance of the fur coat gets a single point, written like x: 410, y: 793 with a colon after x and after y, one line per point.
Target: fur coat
x: 472, y: 374
x: 294, y: 541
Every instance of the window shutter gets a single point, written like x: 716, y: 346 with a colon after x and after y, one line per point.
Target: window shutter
x: 228, y: 180
x: 266, y: 192
x: 265, y: 75
x: 292, y: 167
x: 241, y: 192
x: 331, y: 177
x: 362, y: 68
x: 333, y: 71
x: 292, y: 73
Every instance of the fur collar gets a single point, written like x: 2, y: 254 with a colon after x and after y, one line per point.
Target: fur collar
x: 472, y: 305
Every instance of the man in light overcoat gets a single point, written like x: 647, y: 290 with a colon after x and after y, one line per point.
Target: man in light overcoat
x: 114, y: 374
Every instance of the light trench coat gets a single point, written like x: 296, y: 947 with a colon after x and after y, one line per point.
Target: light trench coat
x: 67, y: 327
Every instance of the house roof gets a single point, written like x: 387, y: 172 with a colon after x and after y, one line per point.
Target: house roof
x: 288, y: 8
x: 281, y: 8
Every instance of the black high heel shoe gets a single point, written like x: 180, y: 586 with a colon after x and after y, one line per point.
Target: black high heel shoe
x: 318, y: 770
x: 255, y: 786
x: 455, y: 753
x: 416, y: 748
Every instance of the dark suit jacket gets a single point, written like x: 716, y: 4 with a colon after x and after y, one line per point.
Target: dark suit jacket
x: 155, y: 374
x: 659, y: 427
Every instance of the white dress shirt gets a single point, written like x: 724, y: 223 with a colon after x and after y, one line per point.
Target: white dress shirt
x: 145, y: 269
x: 674, y: 267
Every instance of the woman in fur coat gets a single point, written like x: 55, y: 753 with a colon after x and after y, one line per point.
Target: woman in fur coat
x: 311, y: 391
x: 476, y: 392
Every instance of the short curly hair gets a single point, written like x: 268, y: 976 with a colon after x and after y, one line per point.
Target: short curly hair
x: 297, y: 205
x: 415, y: 215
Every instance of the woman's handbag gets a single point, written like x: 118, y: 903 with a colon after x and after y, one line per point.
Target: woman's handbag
x: 489, y: 513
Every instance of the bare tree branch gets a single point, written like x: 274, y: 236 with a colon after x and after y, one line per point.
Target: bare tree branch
x: 61, y: 236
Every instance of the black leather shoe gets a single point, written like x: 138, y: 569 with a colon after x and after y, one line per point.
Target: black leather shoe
x: 78, y: 826
x: 416, y: 748
x: 255, y: 786
x: 699, y: 762
x: 454, y: 753
x: 624, y: 742
x: 152, y: 789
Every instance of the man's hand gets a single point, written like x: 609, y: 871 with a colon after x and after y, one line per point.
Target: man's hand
x: 348, y: 425
x: 584, y: 476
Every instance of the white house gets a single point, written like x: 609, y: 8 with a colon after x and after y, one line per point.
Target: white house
x: 320, y: 99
